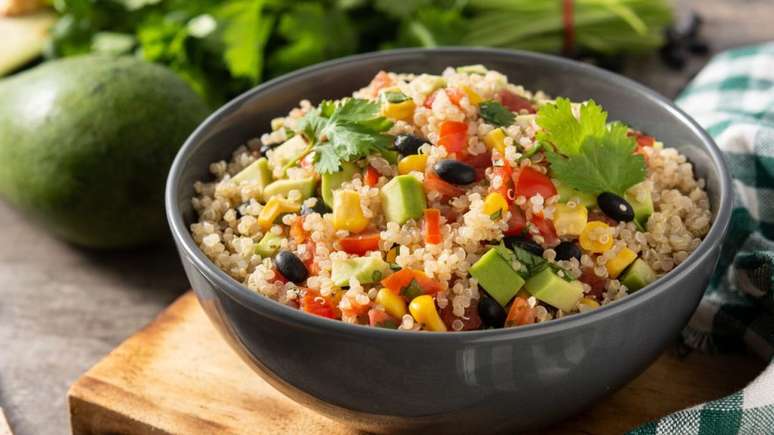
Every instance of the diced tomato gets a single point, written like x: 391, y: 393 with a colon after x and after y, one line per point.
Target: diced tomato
x: 643, y: 140
x: 371, y: 176
x: 360, y: 244
x: 517, y: 222
x: 455, y: 95
x: 380, y: 81
x: 470, y: 320
x: 434, y: 183
x: 297, y: 231
x: 380, y: 319
x: 505, y: 174
x: 432, y: 226
x: 400, y: 280
x: 520, y: 313
x: 546, y: 229
x: 597, y: 283
x: 479, y: 162
x: 315, y: 304
x: 453, y: 136
x: 514, y: 103
x: 529, y: 182
x: 278, y: 277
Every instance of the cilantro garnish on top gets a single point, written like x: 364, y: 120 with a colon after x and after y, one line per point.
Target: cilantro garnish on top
x: 346, y: 131
x: 495, y: 113
x: 589, y: 155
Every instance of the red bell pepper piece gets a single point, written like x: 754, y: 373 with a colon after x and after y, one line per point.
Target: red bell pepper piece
x: 453, y: 136
x: 371, y: 176
x: 432, y: 226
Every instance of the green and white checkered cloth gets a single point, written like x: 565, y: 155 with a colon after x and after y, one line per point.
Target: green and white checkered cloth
x: 733, y: 98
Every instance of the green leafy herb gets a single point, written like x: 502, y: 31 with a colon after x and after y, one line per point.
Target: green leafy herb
x: 495, y: 113
x: 606, y: 163
x: 496, y: 215
x: 564, y: 131
x: 412, y: 290
x: 376, y: 275
x: 346, y: 131
x: 532, y: 264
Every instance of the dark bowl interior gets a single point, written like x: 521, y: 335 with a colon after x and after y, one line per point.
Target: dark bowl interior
x: 457, y: 381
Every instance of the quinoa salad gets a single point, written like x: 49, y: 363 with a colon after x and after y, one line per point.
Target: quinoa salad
x: 449, y: 202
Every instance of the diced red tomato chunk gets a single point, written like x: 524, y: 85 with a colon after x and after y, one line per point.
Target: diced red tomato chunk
x: 453, y: 136
x: 434, y: 183
x: 315, y: 304
x: 470, y: 320
x: 546, y: 229
x: 517, y: 222
x: 380, y: 319
x: 371, y: 176
x: 360, y: 244
x: 529, y: 182
x: 514, y: 103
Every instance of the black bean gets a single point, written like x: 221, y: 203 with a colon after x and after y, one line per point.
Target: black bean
x: 291, y: 267
x: 615, y: 207
x: 455, y: 172
x: 699, y: 47
x: 526, y: 244
x: 319, y: 207
x: 673, y: 56
x: 490, y: 311
x: 408, y: 144
x: 567, y: 250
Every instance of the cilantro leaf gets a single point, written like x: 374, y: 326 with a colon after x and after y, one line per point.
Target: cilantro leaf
x: 532, y: 263
x: 495, y: 113
x: 412, y: 290
x: 563, y: 130
x: 605, y: 163
x: 346, y: 131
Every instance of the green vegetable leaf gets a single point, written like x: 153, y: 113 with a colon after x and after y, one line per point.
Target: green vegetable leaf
x: 563, y: 130
x: 412, y: 290
x: 495, y: 113
x: 605, y: 163
x: 346, y: 131
x: 532, y: 263
x: 245, y: 32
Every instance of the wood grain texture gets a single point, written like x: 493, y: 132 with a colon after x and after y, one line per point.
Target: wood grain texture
x: 177, y: 376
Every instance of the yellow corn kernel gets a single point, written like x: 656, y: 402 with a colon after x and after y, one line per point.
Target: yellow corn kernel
x: 423, y: 310
x: 495, y: 139
x: 621, y: 261
x: 474, y: 98
x: 276, y: 206
x: 596, y: 237
x: 588, y: 303
x: 570, y: 221
x: 495, y: 205
x: 393, y: 304
x: 403, y: 111
x: 414, y: 162
x: 347, y: 213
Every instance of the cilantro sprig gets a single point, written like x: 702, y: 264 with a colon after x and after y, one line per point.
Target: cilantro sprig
x: 531, y: 264
x: 589, y: 154
x: 346, y: 131
x: 495, y: 113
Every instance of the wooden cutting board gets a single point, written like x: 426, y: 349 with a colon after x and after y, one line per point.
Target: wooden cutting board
x: 177, y: 376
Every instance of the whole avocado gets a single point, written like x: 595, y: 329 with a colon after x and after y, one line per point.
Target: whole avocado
x: 86, y: 144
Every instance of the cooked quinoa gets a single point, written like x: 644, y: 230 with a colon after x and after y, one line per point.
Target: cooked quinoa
x: 467, y: 257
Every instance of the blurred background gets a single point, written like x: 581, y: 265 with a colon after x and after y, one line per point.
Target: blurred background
x: 66, y: 301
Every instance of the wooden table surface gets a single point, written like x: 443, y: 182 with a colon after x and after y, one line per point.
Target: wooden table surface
x: 62, y: 309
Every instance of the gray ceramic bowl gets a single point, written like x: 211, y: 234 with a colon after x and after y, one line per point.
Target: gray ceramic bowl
x: 469, y: 382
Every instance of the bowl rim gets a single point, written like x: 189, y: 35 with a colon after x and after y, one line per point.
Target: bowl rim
x: 285, y: 314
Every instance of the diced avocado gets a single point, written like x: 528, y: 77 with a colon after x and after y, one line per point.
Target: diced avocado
x: 257, y: 171
x: 331, y: 182
x: 283, y: 187
x: 367, y: 270
x: 638, y: 275
x: 567, y: 193
x: 269, y: 245
x: 548, y: 287
x: 496, y: 275
x: 641, y: 201
x: 289, y: 150
x: 472, y: 69
x: 403, y: 198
